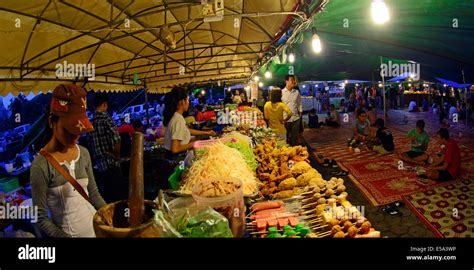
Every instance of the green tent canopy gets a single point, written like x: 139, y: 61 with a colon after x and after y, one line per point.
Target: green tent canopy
x: 438, y: 34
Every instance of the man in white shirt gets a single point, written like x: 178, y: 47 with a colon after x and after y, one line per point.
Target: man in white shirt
x: 292, y: 98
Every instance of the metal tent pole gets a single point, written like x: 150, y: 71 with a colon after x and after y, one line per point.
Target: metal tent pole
x: 384, y: 94
x: 146, y: 104
x: 465, y: 94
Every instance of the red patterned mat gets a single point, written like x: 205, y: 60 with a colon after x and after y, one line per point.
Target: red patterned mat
x: 381, y: 181
x: 446, y: 210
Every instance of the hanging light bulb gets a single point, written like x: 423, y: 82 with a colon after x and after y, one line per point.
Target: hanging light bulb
x: 291, y: 57
x: 380, y: 85
x: 316, y: 42
x: 260, y: 84
x: 256, y: 78
x: 380, y: 13
x: 268, y: 74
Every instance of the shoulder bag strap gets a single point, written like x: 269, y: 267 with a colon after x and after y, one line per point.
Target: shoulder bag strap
x: 64, y: 173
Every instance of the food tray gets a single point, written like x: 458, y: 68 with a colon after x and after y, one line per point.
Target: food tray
x: 202, y: 144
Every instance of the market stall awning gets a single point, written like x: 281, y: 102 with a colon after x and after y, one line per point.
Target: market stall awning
x: 125, y: 41
x: 453, y: 84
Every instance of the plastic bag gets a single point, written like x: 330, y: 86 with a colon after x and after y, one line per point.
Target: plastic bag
x: 207, y: 223
x: 164, y: 227
x: 175, y: 178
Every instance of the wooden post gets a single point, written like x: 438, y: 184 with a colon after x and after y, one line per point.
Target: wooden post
x: 136, y: 191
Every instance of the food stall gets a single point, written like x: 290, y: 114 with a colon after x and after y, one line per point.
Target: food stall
x: 417, y: 96
x: 252, y: 185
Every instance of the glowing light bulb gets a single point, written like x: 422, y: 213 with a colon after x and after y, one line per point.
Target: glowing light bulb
x: 316, y: 43
x: 380, y: 13
x: 268, y: 74
x: 291, y: 57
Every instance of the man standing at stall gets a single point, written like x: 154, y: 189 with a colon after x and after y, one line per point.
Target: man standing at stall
x: 292, y: 98
x: 104, y: 143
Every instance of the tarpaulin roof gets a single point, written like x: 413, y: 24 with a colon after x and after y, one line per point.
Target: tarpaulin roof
x: 123, y: 39
x: 438, y: 34
x: 453, y: 84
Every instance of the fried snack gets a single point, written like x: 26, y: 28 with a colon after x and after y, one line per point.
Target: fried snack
x: 283, y: 194
x: 321, y: 201
x: 340, y: 188
x: 300, y: 167
x: 347, y: 225
x: 335, y: 229
x: 340, y: 181
x: 332, y: 202
x: 287, y: 184
x: 365, y: 228
x: 333, y: 222
x: 340, y: 234
x: 321, y: 208
x: 329, y: 192
x: 330, y: 185
x: 352, y: 232
x: 297, y: 190
x: 316, y: 189
x: 302, y: 181
x: 342, y: 197
x: 322, y: 185
x: 316, y: 197
x: 284, y: 168
x: 316, y: 182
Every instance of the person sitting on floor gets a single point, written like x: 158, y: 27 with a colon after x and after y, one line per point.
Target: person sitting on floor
x: 447, y: 165
x: 413, y: 107
x: 384, y: 139
x: 333, y: 119
x: 313, y: 120
x: 361, y: 127
x: 419, y: 145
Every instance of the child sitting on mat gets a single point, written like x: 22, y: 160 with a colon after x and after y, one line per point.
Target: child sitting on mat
x: 384, y: 139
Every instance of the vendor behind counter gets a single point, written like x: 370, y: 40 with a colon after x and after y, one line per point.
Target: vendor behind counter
x: 177, y: 134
